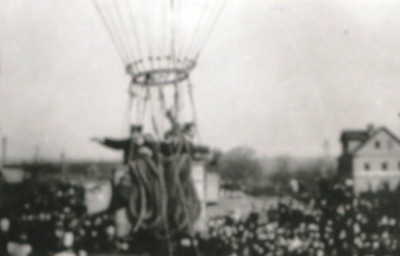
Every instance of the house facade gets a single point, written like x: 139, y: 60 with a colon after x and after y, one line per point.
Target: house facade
x: 371, y: 158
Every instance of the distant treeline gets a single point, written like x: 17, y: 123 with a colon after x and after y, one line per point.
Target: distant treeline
x: 241, y: 168
x: 68, y: 170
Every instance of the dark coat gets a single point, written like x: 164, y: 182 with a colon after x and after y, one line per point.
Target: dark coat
x: 131, y: 150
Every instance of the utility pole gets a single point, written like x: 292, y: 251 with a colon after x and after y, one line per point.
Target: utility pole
x: 326, y: 150
x: 63, y: 165
x: 4, y: 151
x: 36, y: 154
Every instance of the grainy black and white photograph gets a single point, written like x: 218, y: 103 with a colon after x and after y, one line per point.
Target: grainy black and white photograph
x: 200, y: 128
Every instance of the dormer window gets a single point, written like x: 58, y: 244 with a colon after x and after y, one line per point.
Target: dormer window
x: 377, y: 144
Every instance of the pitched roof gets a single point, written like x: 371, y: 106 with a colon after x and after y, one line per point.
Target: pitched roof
x: 348, y: 135
x: 377, y: 131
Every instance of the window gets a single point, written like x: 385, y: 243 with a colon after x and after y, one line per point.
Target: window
x: 399, y: 166
x: 384, y: 166
x: 377, y: 144
x: 367, y: 167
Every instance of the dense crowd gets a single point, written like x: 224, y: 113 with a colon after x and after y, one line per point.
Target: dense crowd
x: 333, y: 223
x: 52, y: 219
x: 48, y: 219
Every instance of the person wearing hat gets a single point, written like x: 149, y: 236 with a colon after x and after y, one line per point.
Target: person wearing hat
x: 132, y: 147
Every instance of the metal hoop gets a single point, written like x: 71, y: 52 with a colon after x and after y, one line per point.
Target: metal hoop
x: 159, y: 77
x: 163, y: 75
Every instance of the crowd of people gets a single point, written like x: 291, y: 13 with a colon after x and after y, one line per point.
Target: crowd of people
x: 49, y: 219
x: 335, y: 222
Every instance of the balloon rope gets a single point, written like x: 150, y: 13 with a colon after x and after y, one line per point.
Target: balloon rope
x: 119, y: 34
x: 110, y: 33
x: 176, y: 101
x: 134, y: 29
x: 173, y: 27
x: 146, y: 100
x: 148, y: 31
x: 193, y: 106
x: 197, y: 30
x: 165, y: 31
x: 141, y: 103
x: 178, y: 29
x: 124, y: 31
x: 207, y: 35
x: 205, y: 25
x: 156, y: 34
x: 130, y: 104
x: 155, y: 125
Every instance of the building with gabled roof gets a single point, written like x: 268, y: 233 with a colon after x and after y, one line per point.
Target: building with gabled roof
x: 371, y: 158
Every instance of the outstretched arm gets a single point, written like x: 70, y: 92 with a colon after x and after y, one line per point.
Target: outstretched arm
x: 112, y: 143
x: 97, y: 140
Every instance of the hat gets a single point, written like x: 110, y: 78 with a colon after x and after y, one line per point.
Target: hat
x: 136, y: 128
x: 188, y: 126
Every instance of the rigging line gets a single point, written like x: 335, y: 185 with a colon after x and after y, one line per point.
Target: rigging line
x: 163, y: 29
x: 154, y: 121
x: 135, y: 94
x: 131, y: 33
x: 173, y: 24
x: 194, y: 110
x: 130, y: 104
x: 161, y: 97
x: 124, y: 31
x: 162, y: 105
x: 156, y: 38
x: 210, y: 30
x: 147, y: 29
x: 160, y: 33
x: 109, y: 31
x: 161, y: 114
x: 197, y: 30
x: 146, y: 99
x: 176, y: 101
x: 118, y: 33
x: 208, y: 22
x: 135, y: 32
x: 139, y: 103
x: 167, y: 34
x: 178, y: 27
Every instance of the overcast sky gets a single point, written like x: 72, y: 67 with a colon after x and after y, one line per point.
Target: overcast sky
x: 279, y: 76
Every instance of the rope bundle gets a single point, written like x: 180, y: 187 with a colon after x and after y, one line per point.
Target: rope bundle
x: 163, y: 199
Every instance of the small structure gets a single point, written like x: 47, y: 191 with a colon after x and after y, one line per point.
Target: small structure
x: 13, y: 174
x: 371, y: 158
x: 212, y: 187
x: 198, y: 176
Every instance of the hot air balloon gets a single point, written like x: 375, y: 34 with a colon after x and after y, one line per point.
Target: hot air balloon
x: 159, y: 42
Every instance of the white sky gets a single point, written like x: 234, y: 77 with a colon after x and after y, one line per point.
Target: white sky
x: 277, y: 75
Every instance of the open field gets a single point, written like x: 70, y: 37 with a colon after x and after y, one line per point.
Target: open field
x: 242, y: 205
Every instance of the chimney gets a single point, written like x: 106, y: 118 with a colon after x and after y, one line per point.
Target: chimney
x: 370, y: 129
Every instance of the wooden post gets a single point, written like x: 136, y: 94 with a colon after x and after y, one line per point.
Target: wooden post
x: 3, y: 151
x: 63, y: 167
